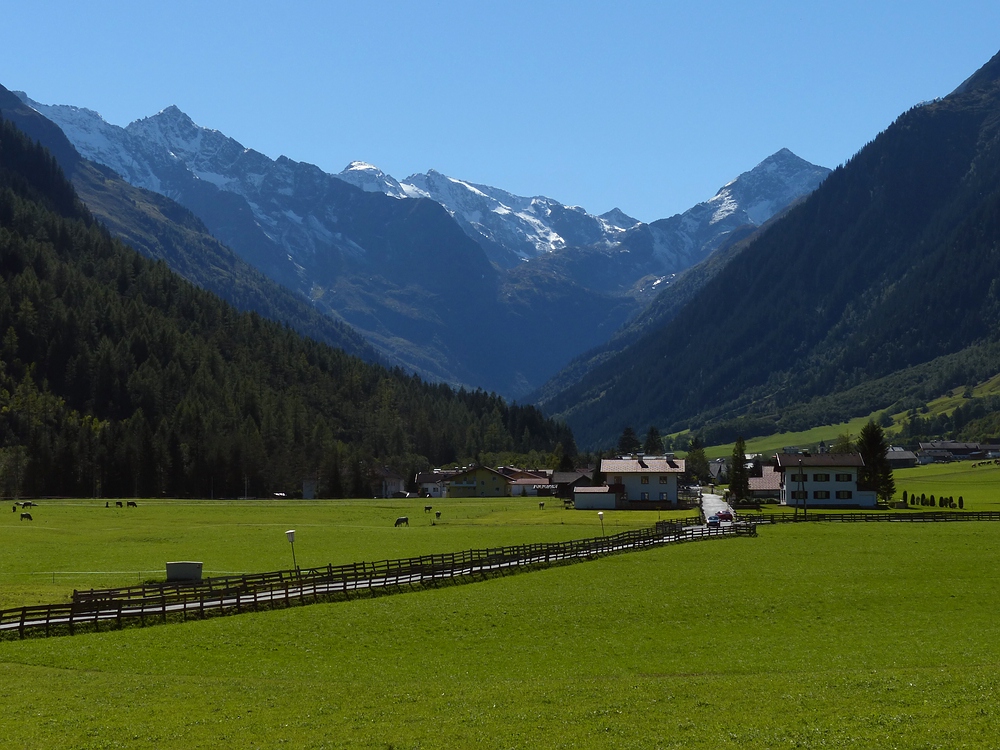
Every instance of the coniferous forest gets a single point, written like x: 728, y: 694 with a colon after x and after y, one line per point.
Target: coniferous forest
x: 118, y: 378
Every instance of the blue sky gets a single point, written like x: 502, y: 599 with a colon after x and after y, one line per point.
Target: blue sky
x: 647, y: 106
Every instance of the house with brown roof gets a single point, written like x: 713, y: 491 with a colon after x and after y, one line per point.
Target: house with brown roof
x: 822, y: 480
x: 643, y: 479
x: 767, y: 486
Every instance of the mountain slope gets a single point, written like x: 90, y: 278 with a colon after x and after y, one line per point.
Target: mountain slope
x: 414, y: 275
x: 162, y: 229
x: 891, y: 264
x: 121, y: 378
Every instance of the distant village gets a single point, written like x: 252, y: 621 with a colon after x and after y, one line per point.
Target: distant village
x: 644, y: 482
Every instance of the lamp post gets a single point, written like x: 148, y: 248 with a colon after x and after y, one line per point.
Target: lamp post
x: 290, y: 534
x: 600, y: 514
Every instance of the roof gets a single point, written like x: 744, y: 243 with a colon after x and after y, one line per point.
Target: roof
x: 474, y: 469
x: 430, y: 477
x: 901, y: 455
x: 793, y: 461
x: 569, y: 477
x: 642, y: 465
x: 602, y: 489
x: 949, y: 445
x: 770, y: 480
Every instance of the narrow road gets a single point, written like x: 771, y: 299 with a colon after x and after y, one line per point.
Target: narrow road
x: 712, y: 505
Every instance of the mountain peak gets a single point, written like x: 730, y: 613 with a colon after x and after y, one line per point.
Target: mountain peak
x: 371, y: 179
x: 987, y: 75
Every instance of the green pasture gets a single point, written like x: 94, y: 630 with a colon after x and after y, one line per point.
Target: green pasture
x: 978, y: 485
x: 770, y: 444
x: 944, y: 404
x: 826, y: 635
x: 81, y: 544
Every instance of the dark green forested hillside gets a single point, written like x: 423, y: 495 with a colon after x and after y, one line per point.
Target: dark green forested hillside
x: 160, y: 228
x: 892, y: 264
x: 117, y: 376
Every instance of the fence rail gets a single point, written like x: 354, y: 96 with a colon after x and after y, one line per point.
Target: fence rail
x: 113, y: 606
x: 875, y: 517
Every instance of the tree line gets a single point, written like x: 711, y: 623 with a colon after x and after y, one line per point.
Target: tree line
x: 119, y: 378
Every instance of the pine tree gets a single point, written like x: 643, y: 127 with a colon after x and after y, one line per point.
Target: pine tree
x: 628, y: 443
x: 876, y: 474
x: 654, y: 443
x: 739, y: 477
x: 696, y: 463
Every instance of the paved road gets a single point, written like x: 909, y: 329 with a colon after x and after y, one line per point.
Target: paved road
x: 712, y: 505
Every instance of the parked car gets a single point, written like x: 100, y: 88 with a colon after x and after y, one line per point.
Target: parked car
x: 713, y: 521
x: 725, y: 515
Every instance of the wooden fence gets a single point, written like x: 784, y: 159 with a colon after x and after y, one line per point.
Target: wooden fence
x: 114, y: 606
x: 874, y: 517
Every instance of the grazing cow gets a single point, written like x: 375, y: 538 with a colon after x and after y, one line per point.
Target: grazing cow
x: 131, y: 504
x: 13, y: 509
x: 428, y: 508
x: 437, y: 514
x: 26, y: 517
x: 118, y: 503
x: 403, y: 521
x: 28, y: 504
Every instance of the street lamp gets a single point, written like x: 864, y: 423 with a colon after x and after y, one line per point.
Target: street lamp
x: 290, y: 534
x: 600, y: 514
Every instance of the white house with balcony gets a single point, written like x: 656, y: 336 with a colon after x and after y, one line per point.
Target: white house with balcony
x: 822, y: 480
x: 637, y: 479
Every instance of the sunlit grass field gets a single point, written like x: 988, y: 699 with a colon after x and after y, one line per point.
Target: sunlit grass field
x: 81, y: 544
x: 828, y: 635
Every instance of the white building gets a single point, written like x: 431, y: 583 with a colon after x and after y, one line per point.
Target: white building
x: 824, y: 480
x: 644, y: 478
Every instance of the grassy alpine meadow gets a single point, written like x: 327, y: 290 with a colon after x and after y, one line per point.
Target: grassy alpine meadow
x: 978, y: 483
x: 826, y: 635
x: 82, y: 544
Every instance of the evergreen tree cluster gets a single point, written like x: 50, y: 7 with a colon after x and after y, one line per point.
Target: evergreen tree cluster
x: 117, y: 377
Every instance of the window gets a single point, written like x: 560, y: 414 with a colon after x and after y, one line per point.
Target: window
x: 644, y: 496
x: 663, y: 496
x: 845, y: 478
x: 664, y: 480
x: 799, y: 494
x: 844, y: 494
x: 821, y: 495
x: 821, y: 477
x: 799, y: 478
x: 645, y: 480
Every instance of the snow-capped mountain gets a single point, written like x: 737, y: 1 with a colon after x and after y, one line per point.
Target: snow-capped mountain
x: 683, y: 240
x: 511, y: 228
x: 443, y: 275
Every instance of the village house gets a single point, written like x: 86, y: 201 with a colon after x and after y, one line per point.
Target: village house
x: 432, y: 483
x: 643, y: 479
x: 478, y: 481
x: 765, y: 487
x: 566, y: 482
x: 387, y: 483
x: 825, y: 480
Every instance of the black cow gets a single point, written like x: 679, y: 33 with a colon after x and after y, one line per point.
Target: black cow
x: 131, y: 504
x: 118, y: 503
x: 26, y: 517
x: 403, y: 521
